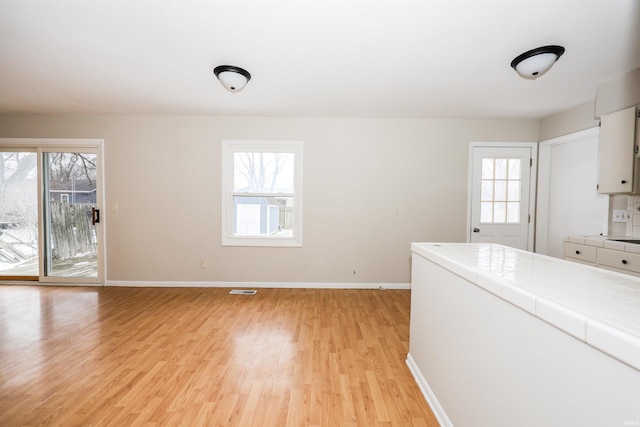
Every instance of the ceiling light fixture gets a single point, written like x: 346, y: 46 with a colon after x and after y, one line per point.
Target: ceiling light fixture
x: 534, y: 63
x: 234, y: 79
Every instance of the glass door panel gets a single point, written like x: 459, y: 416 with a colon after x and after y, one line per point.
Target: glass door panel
x: 19, y: 215
x: 70, y: 215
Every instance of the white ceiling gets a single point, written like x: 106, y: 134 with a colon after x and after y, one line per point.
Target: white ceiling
x: 314, y: 58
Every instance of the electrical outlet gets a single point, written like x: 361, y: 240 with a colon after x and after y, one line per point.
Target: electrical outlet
x: 203, y: 263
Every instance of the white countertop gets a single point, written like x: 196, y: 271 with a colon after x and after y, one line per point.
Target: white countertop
x: 599, y: 307
x: 609, y: 242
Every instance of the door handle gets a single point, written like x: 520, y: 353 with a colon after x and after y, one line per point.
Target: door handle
x: 95, y: 216
x: 476, y: 230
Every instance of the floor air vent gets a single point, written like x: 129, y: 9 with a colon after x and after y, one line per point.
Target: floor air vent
x: 242, y: 292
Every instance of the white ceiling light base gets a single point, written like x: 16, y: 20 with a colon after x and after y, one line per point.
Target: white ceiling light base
x: 233, y: 78
x: 534, y: 63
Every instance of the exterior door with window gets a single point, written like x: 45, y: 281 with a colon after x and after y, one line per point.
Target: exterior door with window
x: 49, y: 194
x: 19, y: 247
x: 70, y: 216
x: 500, y: 196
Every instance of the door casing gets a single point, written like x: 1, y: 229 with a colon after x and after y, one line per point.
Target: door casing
x: 532, y: 184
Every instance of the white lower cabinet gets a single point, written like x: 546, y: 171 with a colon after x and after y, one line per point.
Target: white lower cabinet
x: 610, y: 259
x: 624, y: 262
x: 583, y: 254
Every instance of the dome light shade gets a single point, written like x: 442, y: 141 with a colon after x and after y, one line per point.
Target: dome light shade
x: 534, y: 63
x: 233, y: 78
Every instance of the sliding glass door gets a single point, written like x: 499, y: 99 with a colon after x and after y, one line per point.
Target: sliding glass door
x: 19, y: 252
x: 49, y: 216
x: 70, y: 214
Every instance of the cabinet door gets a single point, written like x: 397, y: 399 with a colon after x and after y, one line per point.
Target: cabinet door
x: 619, y: 260
x: 582, y: 253
x: 616, y: 152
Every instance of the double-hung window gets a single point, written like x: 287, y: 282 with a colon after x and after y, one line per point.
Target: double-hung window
x: 262, y: 193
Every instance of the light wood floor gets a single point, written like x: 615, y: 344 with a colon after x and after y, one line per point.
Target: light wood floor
x: 201, y: 357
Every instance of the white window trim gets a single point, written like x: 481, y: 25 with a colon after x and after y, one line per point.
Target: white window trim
x: 229, y: 147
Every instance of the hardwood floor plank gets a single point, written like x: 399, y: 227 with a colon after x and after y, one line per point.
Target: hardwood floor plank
x: 201, y: 357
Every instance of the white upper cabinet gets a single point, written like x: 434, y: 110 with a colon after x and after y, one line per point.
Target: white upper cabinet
x: 617, y: 168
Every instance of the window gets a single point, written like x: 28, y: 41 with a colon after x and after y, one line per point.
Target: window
x: 262, y: 193
x: 501, y: 189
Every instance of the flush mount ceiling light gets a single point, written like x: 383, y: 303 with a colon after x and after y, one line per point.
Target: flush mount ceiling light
x: 234, y: 79
x: 536, y: 62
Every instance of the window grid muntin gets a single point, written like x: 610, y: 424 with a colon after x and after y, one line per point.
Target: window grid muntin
x: 500, y: 190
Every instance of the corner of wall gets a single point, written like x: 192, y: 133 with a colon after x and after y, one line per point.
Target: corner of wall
x: 573, y: 120
x: 618, y: 93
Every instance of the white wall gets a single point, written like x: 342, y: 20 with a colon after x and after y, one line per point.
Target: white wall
x: 568, y: 203
x: 164, y: 173
x: 618, y: 93
x: 578, y: 118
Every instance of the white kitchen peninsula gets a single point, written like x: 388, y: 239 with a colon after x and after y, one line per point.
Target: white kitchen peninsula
x: 504, y: 337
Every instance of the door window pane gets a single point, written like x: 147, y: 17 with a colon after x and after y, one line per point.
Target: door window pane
x: 18, y: 214
x: 487, y: 190
x: 514, y: 191
x: 499, y: 212
x: 514, y: 168
x: 501, y: 183
x: 70, y: 191
x: 501, y: 168
x: 487, y: 168
x: 486, y: 212
x: 513, y: 212
x: 501, y: 190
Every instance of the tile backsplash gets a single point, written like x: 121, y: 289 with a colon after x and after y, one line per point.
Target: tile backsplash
x: 633, y: 227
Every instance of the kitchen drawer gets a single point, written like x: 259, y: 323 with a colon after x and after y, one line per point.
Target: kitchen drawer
x: 619, y: 260
x: 580, y: 252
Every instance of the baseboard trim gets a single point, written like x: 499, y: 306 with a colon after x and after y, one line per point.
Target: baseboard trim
x: 428, y: 394
x: 52, y: 284
x: 302, y: 285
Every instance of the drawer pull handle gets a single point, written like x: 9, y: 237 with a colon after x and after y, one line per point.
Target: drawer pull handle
x: 624, y: 261
x: 577, y: 252
x: 624, y: 181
